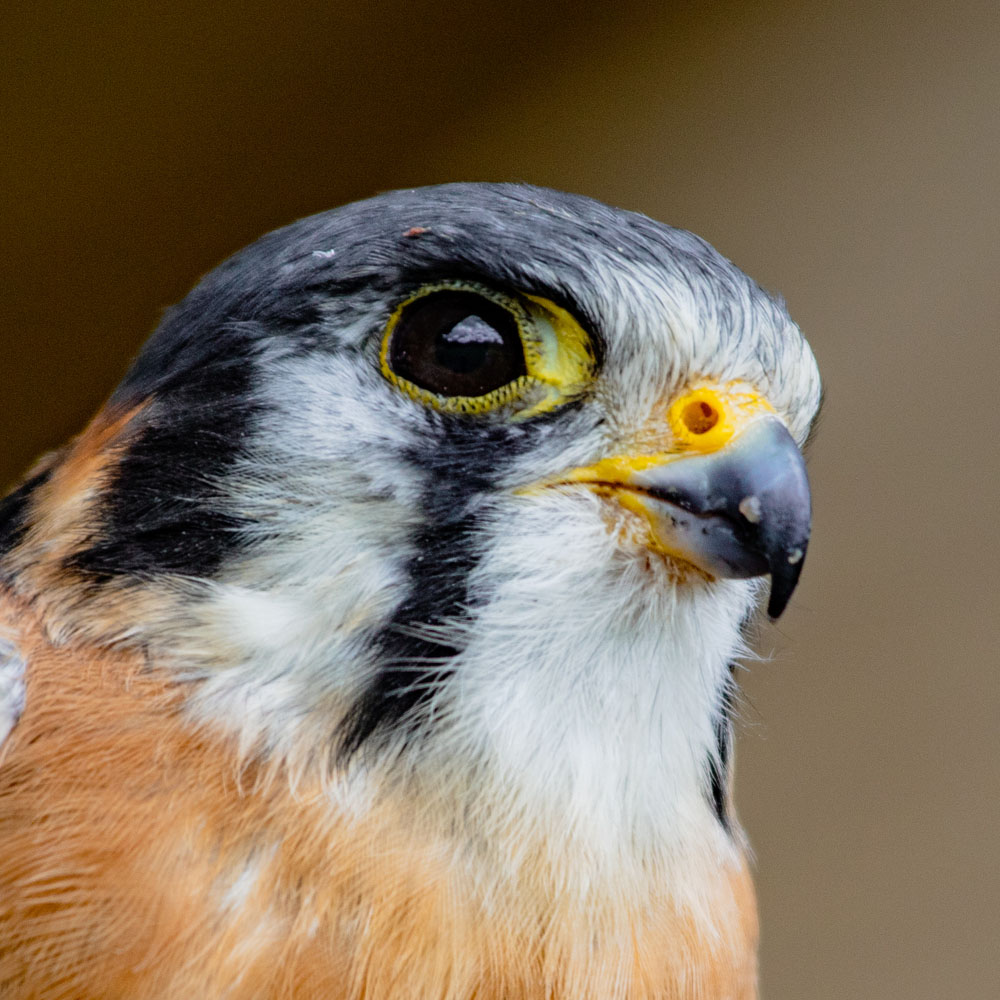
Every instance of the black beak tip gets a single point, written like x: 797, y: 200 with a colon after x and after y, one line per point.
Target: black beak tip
x: 785, y: 572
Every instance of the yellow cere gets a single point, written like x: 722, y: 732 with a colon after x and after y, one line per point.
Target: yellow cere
x: 707, y: 418
x: 558, y: 354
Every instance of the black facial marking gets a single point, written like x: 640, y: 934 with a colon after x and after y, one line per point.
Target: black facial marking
x: 163, y: 511
x: 414, y: 668
x: 462, y: 466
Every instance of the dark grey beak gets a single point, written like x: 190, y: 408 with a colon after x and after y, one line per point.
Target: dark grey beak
x: 739, y: 512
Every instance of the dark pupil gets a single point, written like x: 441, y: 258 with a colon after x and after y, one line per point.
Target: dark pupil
x: 457, y: 344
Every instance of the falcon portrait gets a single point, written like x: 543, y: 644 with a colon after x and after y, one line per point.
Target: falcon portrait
x: 377, y: 638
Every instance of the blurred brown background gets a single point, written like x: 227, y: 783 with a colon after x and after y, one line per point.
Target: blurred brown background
x: 844, y: 154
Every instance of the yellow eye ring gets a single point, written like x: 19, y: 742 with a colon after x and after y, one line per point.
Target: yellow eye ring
x: 461, y: 347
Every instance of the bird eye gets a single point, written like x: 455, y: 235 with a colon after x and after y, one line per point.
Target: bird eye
x: 456, y: 343
x: 462, y: 347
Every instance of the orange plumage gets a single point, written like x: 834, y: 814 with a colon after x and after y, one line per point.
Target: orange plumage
x: 124, y: 830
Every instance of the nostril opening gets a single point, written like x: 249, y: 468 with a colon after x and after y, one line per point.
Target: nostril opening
x: 699, y: 416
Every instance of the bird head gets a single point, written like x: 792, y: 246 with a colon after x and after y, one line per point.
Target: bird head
x: 451, y: 440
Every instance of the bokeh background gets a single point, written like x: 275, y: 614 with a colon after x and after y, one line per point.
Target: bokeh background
x: 844, y: 154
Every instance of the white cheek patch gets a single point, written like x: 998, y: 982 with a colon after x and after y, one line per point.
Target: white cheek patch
x: 12, y: 667
x: 588, y: 690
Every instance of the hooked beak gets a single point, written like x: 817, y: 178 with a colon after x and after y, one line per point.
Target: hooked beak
x: 738, y: 506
